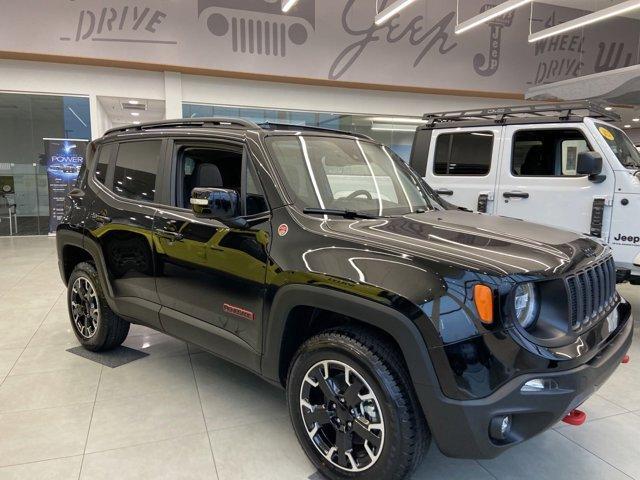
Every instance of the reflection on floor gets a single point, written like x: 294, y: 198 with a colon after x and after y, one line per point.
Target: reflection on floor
x: 26, y: 226
x: 182, y: 413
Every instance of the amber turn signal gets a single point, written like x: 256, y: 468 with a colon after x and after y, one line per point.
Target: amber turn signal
x: 483, y: 298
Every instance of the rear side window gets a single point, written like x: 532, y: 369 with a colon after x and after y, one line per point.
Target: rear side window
x: 103, y: 162
x: 547, y: 153
x: 136, y: 169
x: 464, y: 153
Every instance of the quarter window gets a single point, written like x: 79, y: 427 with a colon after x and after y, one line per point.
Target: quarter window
x: 464, y: 153
x: 136, y: 169
x: 547, y: 153
x: 103, y: 162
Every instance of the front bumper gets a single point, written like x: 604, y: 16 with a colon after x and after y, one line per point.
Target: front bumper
x: 461, y: 427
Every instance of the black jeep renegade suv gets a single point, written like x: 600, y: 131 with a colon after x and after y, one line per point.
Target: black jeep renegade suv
x: 318, y: 260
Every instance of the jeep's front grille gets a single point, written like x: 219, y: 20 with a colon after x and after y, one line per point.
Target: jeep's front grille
x: 591, y: 292
x: 256, y: 36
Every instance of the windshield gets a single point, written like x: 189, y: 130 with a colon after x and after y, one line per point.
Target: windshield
x: 621, y: 145
x: 347, y: 174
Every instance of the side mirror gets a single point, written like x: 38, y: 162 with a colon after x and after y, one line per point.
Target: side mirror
x: 217, y: 203
x: 589, y: 163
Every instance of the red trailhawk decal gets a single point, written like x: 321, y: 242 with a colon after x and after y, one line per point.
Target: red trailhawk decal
x: 237, y: 311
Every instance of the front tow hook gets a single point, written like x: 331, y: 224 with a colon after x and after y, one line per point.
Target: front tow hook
x: 575, y: 417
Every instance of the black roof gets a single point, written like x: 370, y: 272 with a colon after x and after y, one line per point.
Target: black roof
x: 538, y: 113
x: 226, y: 123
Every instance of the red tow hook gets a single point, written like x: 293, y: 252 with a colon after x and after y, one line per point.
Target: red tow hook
x: 625, y: 359
x: 576, y: 417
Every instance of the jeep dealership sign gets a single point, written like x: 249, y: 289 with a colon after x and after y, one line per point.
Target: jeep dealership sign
x: 324, y: 39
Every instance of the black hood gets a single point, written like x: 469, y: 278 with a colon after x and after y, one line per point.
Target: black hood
x: 484, y: 243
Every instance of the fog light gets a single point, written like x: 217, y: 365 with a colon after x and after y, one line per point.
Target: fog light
x: 500, y: 427
x: 539, y: 385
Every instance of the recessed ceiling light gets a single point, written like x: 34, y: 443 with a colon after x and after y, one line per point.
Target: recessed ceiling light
x: 608, y: 108
x: 137, y: 122
x: 627, y: 126
x: 134, y: 102
x: 635, y: 119
x: 135, y: 114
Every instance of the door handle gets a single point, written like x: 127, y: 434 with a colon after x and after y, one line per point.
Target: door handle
x: 172, y: 236
x: 76, y: 194
x: 444, y: 191
x: 515, y: 195
x: 100, y: 218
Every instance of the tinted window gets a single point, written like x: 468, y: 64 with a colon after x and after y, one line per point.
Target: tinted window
x: 547, y: 153
x: 103, y: 162
x: 207, y: 167
x: 136, y: 169
x: 465, y: 153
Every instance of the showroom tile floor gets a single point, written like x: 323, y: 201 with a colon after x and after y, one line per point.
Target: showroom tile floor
x: 180, y: 413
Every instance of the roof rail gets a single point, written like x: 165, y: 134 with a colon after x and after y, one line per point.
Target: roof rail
x: 563, y: 110
x: 293, y: 127
x: 203, y: 122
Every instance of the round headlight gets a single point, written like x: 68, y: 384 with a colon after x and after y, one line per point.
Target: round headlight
x: 526, y: 304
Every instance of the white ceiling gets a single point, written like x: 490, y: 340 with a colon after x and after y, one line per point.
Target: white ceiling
x: 113, y: 106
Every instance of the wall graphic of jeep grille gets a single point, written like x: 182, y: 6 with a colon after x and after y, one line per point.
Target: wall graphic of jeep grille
x: 259, y: 27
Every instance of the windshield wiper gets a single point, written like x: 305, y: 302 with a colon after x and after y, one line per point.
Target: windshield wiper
x: 342, y: 213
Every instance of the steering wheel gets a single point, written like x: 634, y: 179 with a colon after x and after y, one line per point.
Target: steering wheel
x: 357, y: 193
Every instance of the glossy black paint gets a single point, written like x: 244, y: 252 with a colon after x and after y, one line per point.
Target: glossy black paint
x: 222, y: 287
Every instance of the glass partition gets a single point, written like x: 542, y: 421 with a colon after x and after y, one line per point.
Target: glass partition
x: 25, y: 120
x: 395, y: 131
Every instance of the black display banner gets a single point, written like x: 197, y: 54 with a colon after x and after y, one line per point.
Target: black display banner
x: 63, y: 158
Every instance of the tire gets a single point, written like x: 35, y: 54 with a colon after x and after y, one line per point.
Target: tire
x: 103, y: 330
x: 375, y: 366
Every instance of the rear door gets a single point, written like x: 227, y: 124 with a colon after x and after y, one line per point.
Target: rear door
x: 538, y: 180
x: 463, y: 166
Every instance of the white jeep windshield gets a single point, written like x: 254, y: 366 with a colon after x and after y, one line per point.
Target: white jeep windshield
x: 621, y: 145
x: 347, y: 174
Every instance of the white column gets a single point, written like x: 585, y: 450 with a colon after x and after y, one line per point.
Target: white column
x: 173, y: 95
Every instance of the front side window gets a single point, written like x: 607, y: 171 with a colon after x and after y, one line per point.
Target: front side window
x: 547, y: 153
x: 621, y: 146
x: 217, y: 166
x: 347, y: 174
x: 464, y: 153
x: 136, y: 169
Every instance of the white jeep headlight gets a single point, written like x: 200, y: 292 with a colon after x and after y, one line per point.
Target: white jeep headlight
x: 526, y: 304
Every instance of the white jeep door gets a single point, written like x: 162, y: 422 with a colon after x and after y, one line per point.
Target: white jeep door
x: 538, y: 180
x: 463, y: 165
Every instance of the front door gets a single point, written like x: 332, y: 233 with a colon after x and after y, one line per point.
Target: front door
x: 538, y: 180
x: 211, y: 277
x: 463, y: 166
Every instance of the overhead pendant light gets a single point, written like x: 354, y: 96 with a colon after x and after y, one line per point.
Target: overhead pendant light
x: 412, y: 121
x: 288, y: 4
x: 391, y: 10
x: 392, y: 128
x: 594, y: 17
x: 490, y: 14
